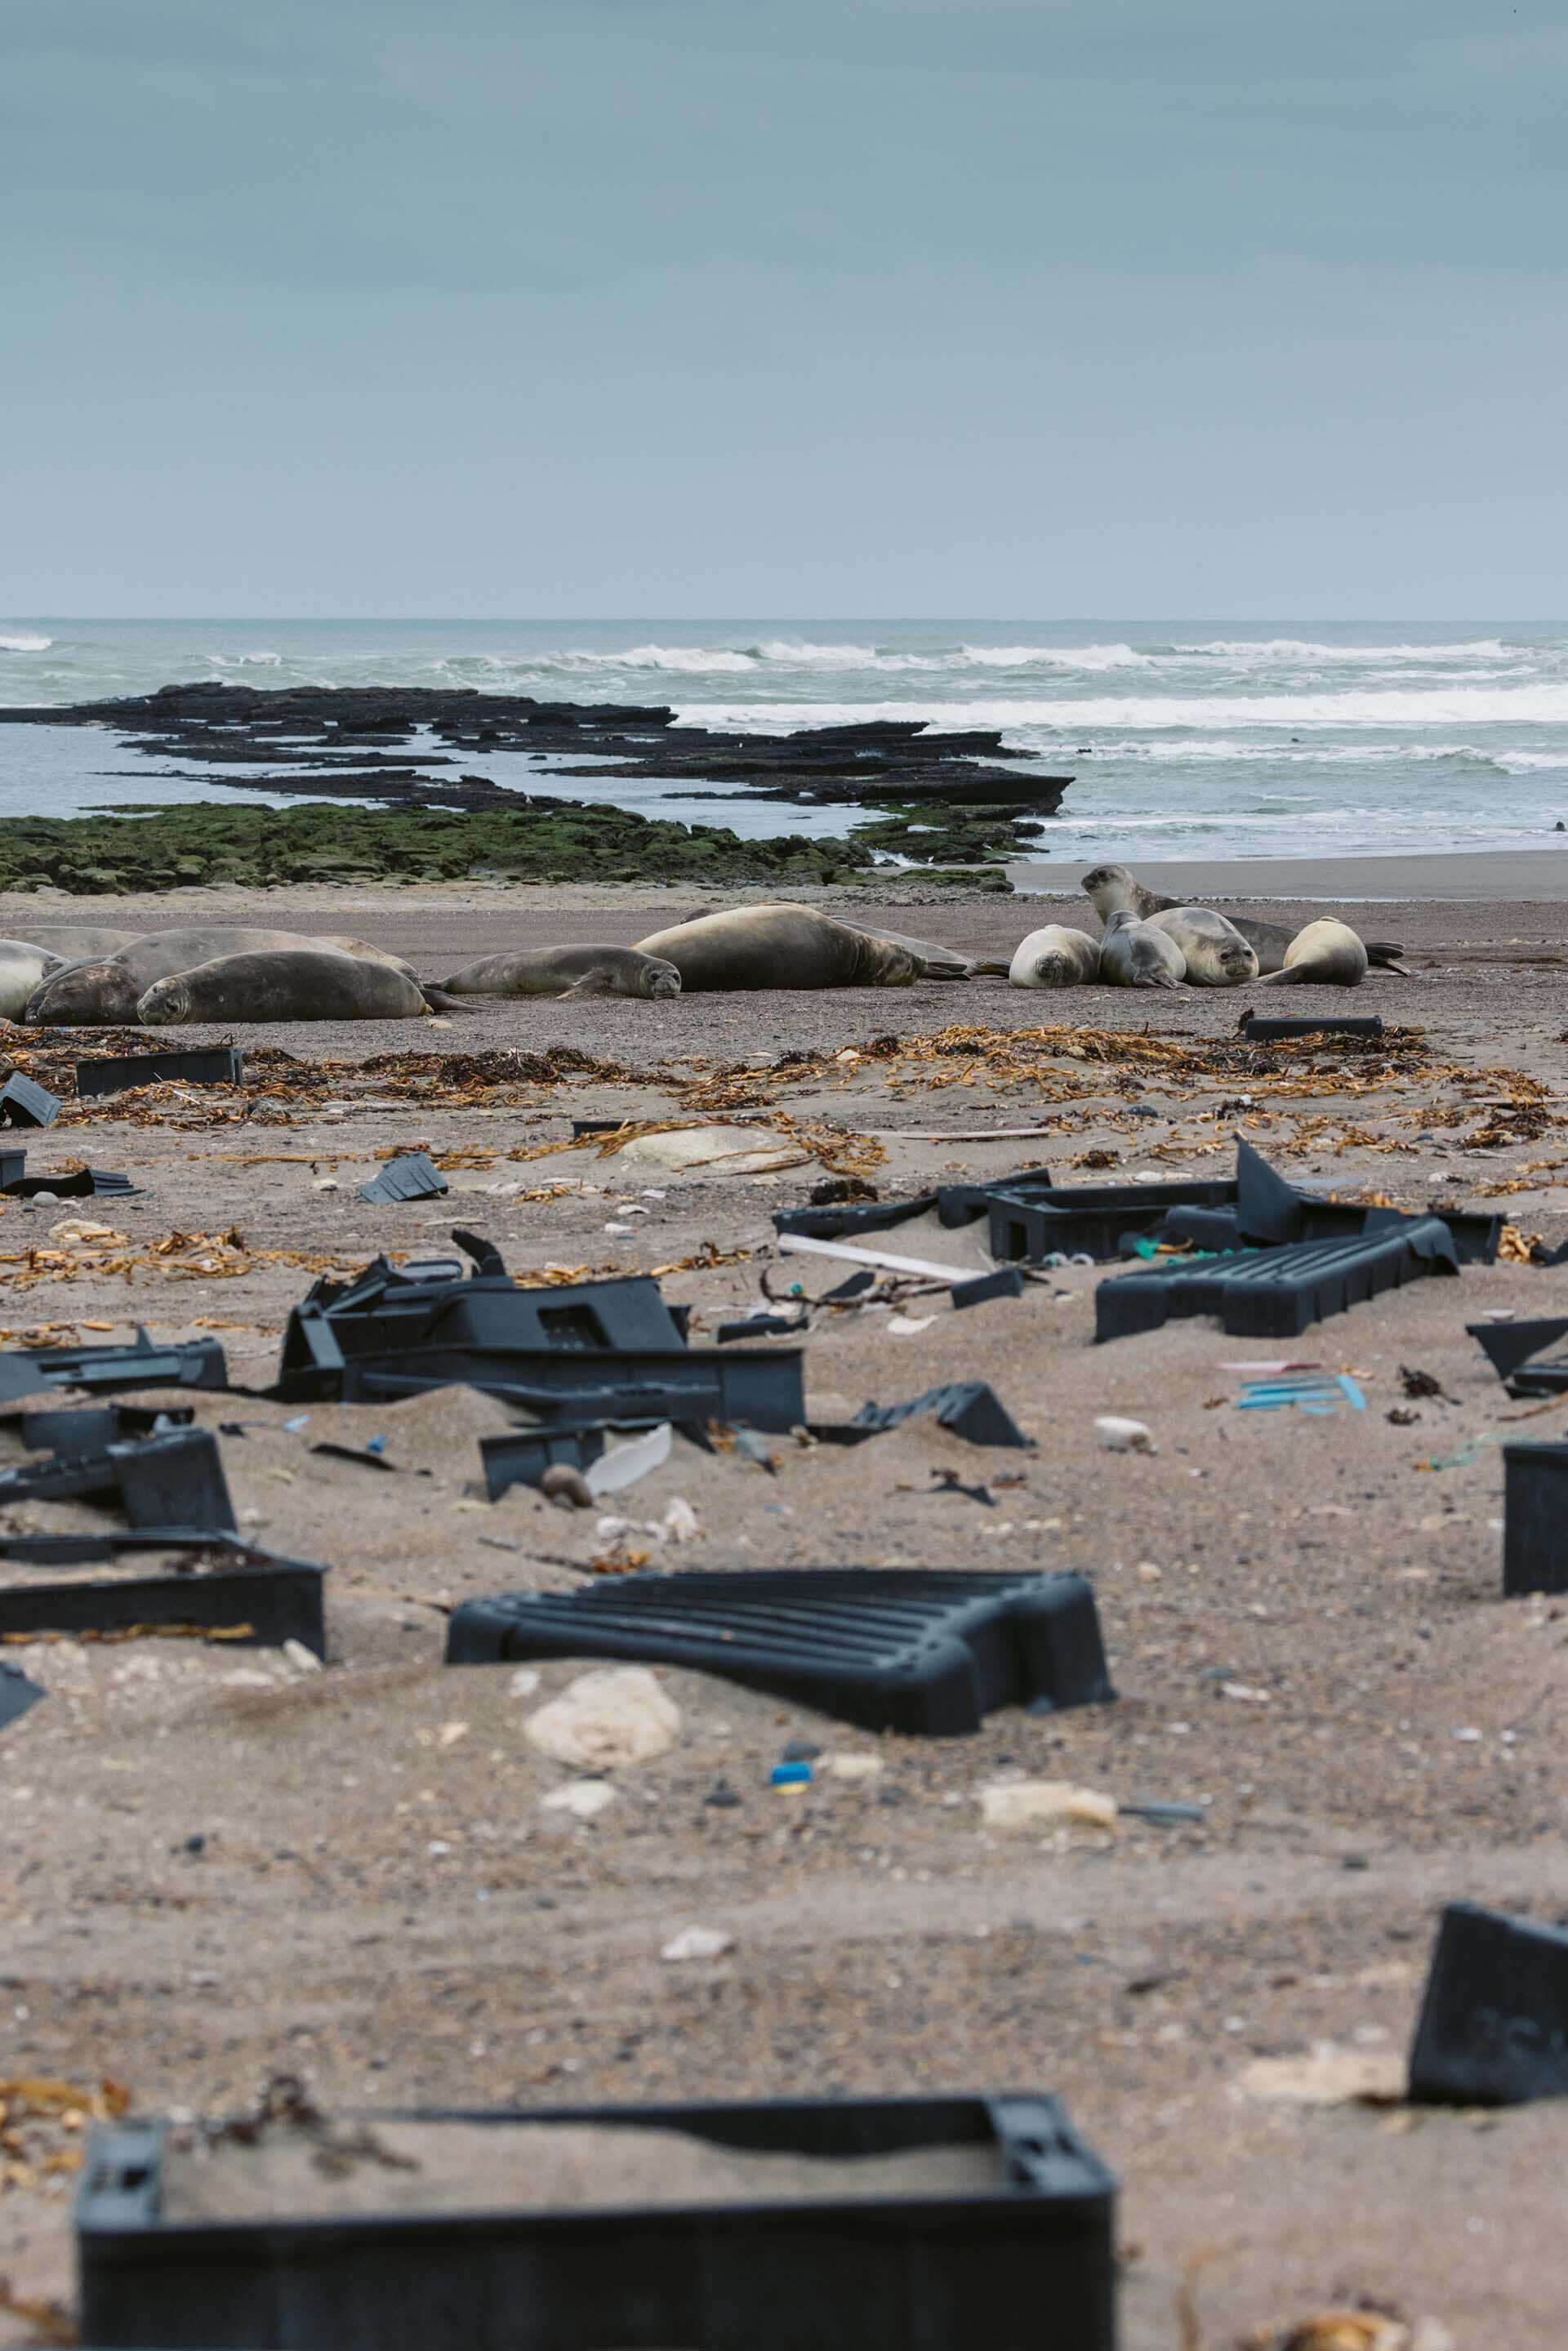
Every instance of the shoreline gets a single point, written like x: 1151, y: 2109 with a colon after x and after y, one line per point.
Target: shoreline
x: 1484, y: 876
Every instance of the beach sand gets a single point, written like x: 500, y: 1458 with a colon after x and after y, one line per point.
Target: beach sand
x: 1302, y: 1614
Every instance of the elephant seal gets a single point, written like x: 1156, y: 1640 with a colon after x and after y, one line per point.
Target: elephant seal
x: 1325, y: 955
x: 1216, y: 953
x: 1055, y: 957
x: 779, y: 946
x: 22, y: 967
x: 110, y: 987
x: 566, y: 971
x: 1111, y: 887
x: 283, y: 983
x: 1134, y: 955
x: 938, y: 963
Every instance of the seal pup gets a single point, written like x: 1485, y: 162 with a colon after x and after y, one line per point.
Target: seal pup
x: 1325, y: 955
x: 566, y: 971
x: 1055, y: 957
x: 108, y: 989
x: 283, y: 983
x: 1111, y: 887
x: 779, y: 946
x: 21, y: 967
x: 1134, y: 955
x: 1216, y: 953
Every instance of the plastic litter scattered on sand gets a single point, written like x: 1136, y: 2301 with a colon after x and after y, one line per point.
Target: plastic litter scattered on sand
x: 1118, y: 1435
x: 1316, y: 1394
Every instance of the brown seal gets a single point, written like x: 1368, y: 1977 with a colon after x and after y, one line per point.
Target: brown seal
x: 108, y: 989
x: 283, y: 983
x: 779, y: 946
x: 566, y: 971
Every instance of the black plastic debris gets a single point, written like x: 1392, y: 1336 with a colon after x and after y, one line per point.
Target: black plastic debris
x: 75, y: 1183
x: 1520, y: 1353
x: 1275, y: 1293
x: 72, y: 1432
x: 18, y: 1696
x: 188, y: 1362
x: 910, y: 1649
x: 970, y: 1408
x: 520, y: 1456
x: 581, y: 1126
x: 1006, y: 1282
x: 1091, y: 1220
x: 1026, y: 2228
x: 216, y: 1585
x: 760, y: 1326
x: 213, y: 1065
x: 412, y: 1175
x: 173, y: 1480
x: 13, y: 1170
x: 1534, y: 1518
x: 23, y: 1102
x: 832, y: 1224
x: 1493, y: 2029
x: 1256, y: 1029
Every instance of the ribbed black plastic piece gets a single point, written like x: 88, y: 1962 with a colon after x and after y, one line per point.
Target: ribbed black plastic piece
x: 1257, y: 1031
x: 1275, y: 1293
x: 1091, y: 1220
x: 1493, y: 2029
x: 854, y: 1217
x: 763, y: 1386
x: 911, y: 1650
x: 520, y: 1456
x: 189, y: 1363
x: 1534, y: 1518
x: 412, y: 1175
x: 1520, y: 1353
x: 78, y: 1184
x: 275, y: 1600
x: 213, y: 1065
x: 23, y: 1102
x: 1006, y: 1282
x: 1028, y: 2258
x: 970, y: 1408
x: 18, y: 1696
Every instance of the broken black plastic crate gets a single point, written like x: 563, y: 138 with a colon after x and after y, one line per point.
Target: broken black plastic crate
x: 921, y: 1650
x: 18, y: 1696
x: 1520, y: 1353
x: 1259, y: 1030
x: 519, y: 1456
x: 25, y: 1103
x: 213, y: 1065
x: 1535, y: 1518
x: 1274, y: 1293
x: 970, y: 1408
x: 1091, y: 1220
x: 219, y: 1586
x: 981, y: 1288
x: 1493, y: 2029
x: 412, y: 1175
x: 187, y: 1363
x: 171, y: 1480
x: 1018, y: 2249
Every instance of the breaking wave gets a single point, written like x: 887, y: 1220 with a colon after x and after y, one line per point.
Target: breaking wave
x: 26, y: 644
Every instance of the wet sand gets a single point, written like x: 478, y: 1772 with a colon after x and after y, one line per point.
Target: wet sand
x: 1302, y: 1614
x: 1478, y: 876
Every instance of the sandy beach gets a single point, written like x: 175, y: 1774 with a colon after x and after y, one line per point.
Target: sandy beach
x: 223, y: 1865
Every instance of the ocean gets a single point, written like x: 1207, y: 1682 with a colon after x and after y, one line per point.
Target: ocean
x: 1184, y: 740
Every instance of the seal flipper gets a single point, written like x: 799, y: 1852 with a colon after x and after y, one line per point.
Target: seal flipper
x: 592, y: 983
x: 437, y: 999
x: 1383, y: 955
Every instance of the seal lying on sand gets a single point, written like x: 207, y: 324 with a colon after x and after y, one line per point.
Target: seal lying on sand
x: 21, y: 967
x: 1325, y: 955
x: 1112, y: 888
x: 1134, y: 955
x: 1216, y: 953
x: 283, y: 983
x: 779, y: 946
x: 938, y: 963
x: 110, y: 988
x: 1055, y: 957
x: 566, y: 971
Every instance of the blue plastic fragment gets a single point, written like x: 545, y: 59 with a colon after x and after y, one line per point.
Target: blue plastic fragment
x: 789, y: 1775
x: 375, y: 1445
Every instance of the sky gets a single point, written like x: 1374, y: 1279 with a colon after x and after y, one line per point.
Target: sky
x: 599, y: 307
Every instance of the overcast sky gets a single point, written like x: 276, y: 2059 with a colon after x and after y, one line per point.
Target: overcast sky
x: 684, y: 308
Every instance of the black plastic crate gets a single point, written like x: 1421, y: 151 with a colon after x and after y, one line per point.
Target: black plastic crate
x: 73, y: 1431
x: 1274, y: 1293
x: 1534, y: 1518
x: 1519, y: 1353
x: 763, y: 1386
x: 188, y: 1362
x: 213, y: 1065
x: 519, y: 1456
x: 1493, y: 2029
x: 924, y: 1650
x: 23, y: 1102
x: 1257, y: 1029
x: 852, y: 1218
x: 169, y: 1481
x: 1091, y: 1220
x: 1025, y: 2262
x: 273, y: 1599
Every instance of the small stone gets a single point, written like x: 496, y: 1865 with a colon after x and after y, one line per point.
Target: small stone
x: 1118, y: 1435
x: 567, y: 1486
x: 582, y: 1798
x: 697, y: 1943
x: 303, y: 1660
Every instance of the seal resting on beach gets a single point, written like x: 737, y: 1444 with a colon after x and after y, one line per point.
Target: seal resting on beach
x: 1325, y: 955
x: 1134, y: 955
x: 110, y: 987
x: 566, y: 971
x: 779, y: 946
x: 1111, y: 888
x: 21, y: 967
x: 938, y: 963
x: 1216, y: 953
x: 1055, y: 957
x: 283, y: 983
